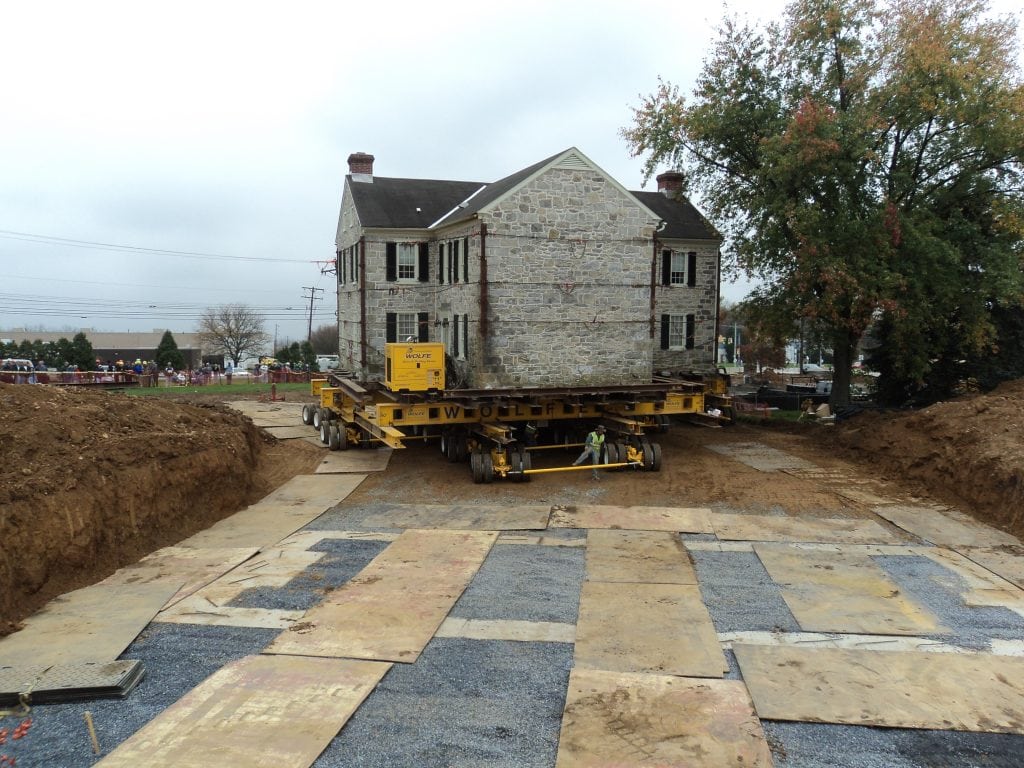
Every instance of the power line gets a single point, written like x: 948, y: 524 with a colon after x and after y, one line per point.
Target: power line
x: 92, y: 244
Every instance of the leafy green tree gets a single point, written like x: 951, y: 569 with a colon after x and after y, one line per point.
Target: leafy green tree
x: 81, y: 353
x: 297, y: 354
x: 864, y: 158
x: 167, y: 352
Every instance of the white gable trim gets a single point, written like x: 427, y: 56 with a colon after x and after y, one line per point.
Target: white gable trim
x: 463, y: 204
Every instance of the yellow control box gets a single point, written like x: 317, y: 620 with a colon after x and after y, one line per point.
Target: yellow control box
x: 414, y: 367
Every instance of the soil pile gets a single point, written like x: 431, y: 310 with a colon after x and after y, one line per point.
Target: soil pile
x: 968, y: 452
x: 91, y: 481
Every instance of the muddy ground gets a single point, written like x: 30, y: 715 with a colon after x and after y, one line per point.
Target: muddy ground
x: 90, y: 481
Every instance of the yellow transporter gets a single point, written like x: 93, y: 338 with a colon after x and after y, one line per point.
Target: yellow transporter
x: 496, y: 430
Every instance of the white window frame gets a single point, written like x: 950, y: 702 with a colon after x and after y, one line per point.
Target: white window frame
x: 407, y: 262
x: 677, y: 272
x: 407, y: 324
x: 677, y: 332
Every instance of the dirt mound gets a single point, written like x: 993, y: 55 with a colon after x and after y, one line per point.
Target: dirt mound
x: 968, y: 452
x: 90, y: 481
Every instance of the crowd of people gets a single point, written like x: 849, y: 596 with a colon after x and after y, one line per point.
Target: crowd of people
x: 146, y: 373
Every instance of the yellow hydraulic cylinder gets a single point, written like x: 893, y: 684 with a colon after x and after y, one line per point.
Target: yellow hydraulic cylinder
x: 580, y: 467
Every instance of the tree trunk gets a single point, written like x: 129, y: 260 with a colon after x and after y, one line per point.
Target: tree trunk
x: 844, y: 347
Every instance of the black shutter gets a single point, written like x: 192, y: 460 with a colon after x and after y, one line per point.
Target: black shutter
x: 449, y: 246
x: 465, y: 336
x: 391, y: 331
x: 455, y: 258
x: 666, y: 267
x: 664, y: 331
x: 355, y: 263
x: 341, y: 267
x: 421, y: 322
x: 391, y: 250
x: 689, y: 330
x: 440, y: 262
x: 465, y: 259
x: 455, y: 336
x: 424, y: 262
x: 691, y: 269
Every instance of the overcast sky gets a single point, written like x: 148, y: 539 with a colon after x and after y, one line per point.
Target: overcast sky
x: 222, y: 129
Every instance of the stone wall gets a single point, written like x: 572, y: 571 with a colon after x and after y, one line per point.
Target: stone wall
x: 568, y: 264
x: 700, y: 301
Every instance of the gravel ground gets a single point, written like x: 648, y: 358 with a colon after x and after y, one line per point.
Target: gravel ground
x: 464, y: 703
x: 810, y: 745
x: 739, y: 594
x: 176, y: 657
x: 525, y: 583
x: 941, y: 591
x: 346, y: 558
x: 499, y: 703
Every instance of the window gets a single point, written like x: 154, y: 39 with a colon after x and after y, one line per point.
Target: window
x: 678, y: 268
x: 403, y: 326
x: 406, y: 326
x: 678, y: 331
x: 407, y: 261
x: 678, y: 276
x: 465, y: 337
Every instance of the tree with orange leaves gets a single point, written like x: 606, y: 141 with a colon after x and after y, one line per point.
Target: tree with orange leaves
x: 864, y: 159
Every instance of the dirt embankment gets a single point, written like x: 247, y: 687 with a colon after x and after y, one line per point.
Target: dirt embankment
x: 91, y: 481
x: 968, y: 452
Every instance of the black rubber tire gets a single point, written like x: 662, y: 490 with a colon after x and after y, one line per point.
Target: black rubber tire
x: 342, y: 436
x: 655, y: 457
x: 461, y: 447
x: 333, y: 438
x: 317, y: 417
x: 613, y: 452
x: 663, y: 423
x: 325, y: 435
x: 307, y: 414
x: 476, y: 468
x: 451, y: 452
x: 620, y: 449
x: 527, y: 464
x: 487, y: 467
x: 444, y: 444
x: 648, y: 457
x: 515, y: 460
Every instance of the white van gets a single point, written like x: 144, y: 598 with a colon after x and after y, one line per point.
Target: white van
x: 328, y: 362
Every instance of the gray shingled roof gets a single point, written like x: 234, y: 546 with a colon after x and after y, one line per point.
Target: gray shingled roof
x: 418, y: 203
x: 682, y: 220
x: 493, y: 191
x: 407, y: 203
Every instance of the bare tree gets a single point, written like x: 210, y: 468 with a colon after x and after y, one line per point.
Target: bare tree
x: 325, y: 339
x: 234, y: 329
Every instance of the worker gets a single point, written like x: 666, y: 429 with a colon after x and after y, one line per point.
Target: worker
x: 594, y: 448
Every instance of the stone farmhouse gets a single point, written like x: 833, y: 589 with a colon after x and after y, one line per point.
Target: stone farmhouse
x: 553, y: 276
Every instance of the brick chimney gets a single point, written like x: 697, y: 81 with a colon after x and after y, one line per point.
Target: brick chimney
x: 360, y: 164
x: 670, y: 183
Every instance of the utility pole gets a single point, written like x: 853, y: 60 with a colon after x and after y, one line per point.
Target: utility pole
x: 311, y: 297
